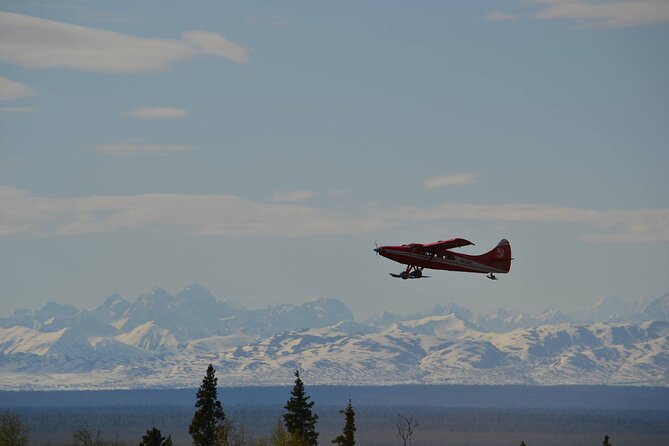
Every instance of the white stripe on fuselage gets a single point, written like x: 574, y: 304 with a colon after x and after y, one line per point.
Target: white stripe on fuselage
x: 459, y: 261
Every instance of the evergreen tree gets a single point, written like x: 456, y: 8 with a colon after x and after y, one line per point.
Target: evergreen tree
x: 154, y: 437
x: 606, y: 441
x: 347, y: 438
x: 209, y: 416
x: 12, y: 431
x: 298, y: 418
x: 522, y: 443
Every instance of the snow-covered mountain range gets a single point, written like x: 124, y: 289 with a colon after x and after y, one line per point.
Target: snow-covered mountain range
x: 164, y: 340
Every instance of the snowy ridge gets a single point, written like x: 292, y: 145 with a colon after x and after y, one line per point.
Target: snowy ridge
x: 149, y: 336
x: 156, y: 342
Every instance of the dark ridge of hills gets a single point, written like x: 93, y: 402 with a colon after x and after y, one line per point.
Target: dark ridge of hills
x: 445, y: 396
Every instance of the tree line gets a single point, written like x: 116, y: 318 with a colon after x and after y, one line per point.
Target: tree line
x: 211, y: 427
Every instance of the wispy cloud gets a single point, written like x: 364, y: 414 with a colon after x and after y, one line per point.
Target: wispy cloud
x: 612, y: 225
x: 499, y: 16
x: 295, y: 196
x: 606, y: 13
x: 23, y: 212
x: 458, y: 179
x: 213, y: 43
x: 11, y: 90
x: 225, y: 215
x: 159, y: 113
x: 39, y: 43
x: 142, y: 149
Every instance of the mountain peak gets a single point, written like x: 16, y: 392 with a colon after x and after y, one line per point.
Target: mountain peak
x: 502, y: 312
x: 452, y: 308
x: 51, y: 309
x: 113, y: 297
x: 114, y: 300
x: 327, y: 307
x: 383, y: 318
x: 196, y: 292
x: 157, y: 296
x: 658, y: 309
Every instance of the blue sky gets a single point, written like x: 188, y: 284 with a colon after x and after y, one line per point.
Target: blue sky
x: 261, y: 148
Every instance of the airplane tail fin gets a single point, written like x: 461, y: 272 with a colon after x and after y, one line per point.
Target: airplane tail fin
x: 500, y: 256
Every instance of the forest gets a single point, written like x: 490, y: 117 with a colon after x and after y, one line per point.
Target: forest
x: 375, y: 425
x: 304, y: 421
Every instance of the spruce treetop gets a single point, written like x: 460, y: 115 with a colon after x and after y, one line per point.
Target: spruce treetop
x: 209, y: 415
x: 347, y: 437
x: 299, y: 419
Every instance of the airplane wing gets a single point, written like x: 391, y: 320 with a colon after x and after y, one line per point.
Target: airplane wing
x: 445, y: 244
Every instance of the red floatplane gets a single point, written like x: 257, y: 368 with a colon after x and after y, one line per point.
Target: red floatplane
x: 437, y: 255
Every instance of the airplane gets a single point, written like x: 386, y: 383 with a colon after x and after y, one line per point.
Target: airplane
x: 437, y: 255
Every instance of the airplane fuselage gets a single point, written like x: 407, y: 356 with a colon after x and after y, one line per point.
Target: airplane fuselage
x: 444, y: 260
x: 438, y: 255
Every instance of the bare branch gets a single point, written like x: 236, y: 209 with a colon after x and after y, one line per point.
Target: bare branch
x: 405, y: 428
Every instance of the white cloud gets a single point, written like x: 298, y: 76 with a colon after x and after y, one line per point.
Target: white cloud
x: 292, y: 196
x: 612, y: 225
x: 39, y: 43
x: 142, y: 149
x: 499, y: 16
x: 458, y: 179
x: 226, y: 215
x: 217, y: 45
x: 23, y: 212
x: 10, y: 90
x: 606, y: 13
x: 159, y: 113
